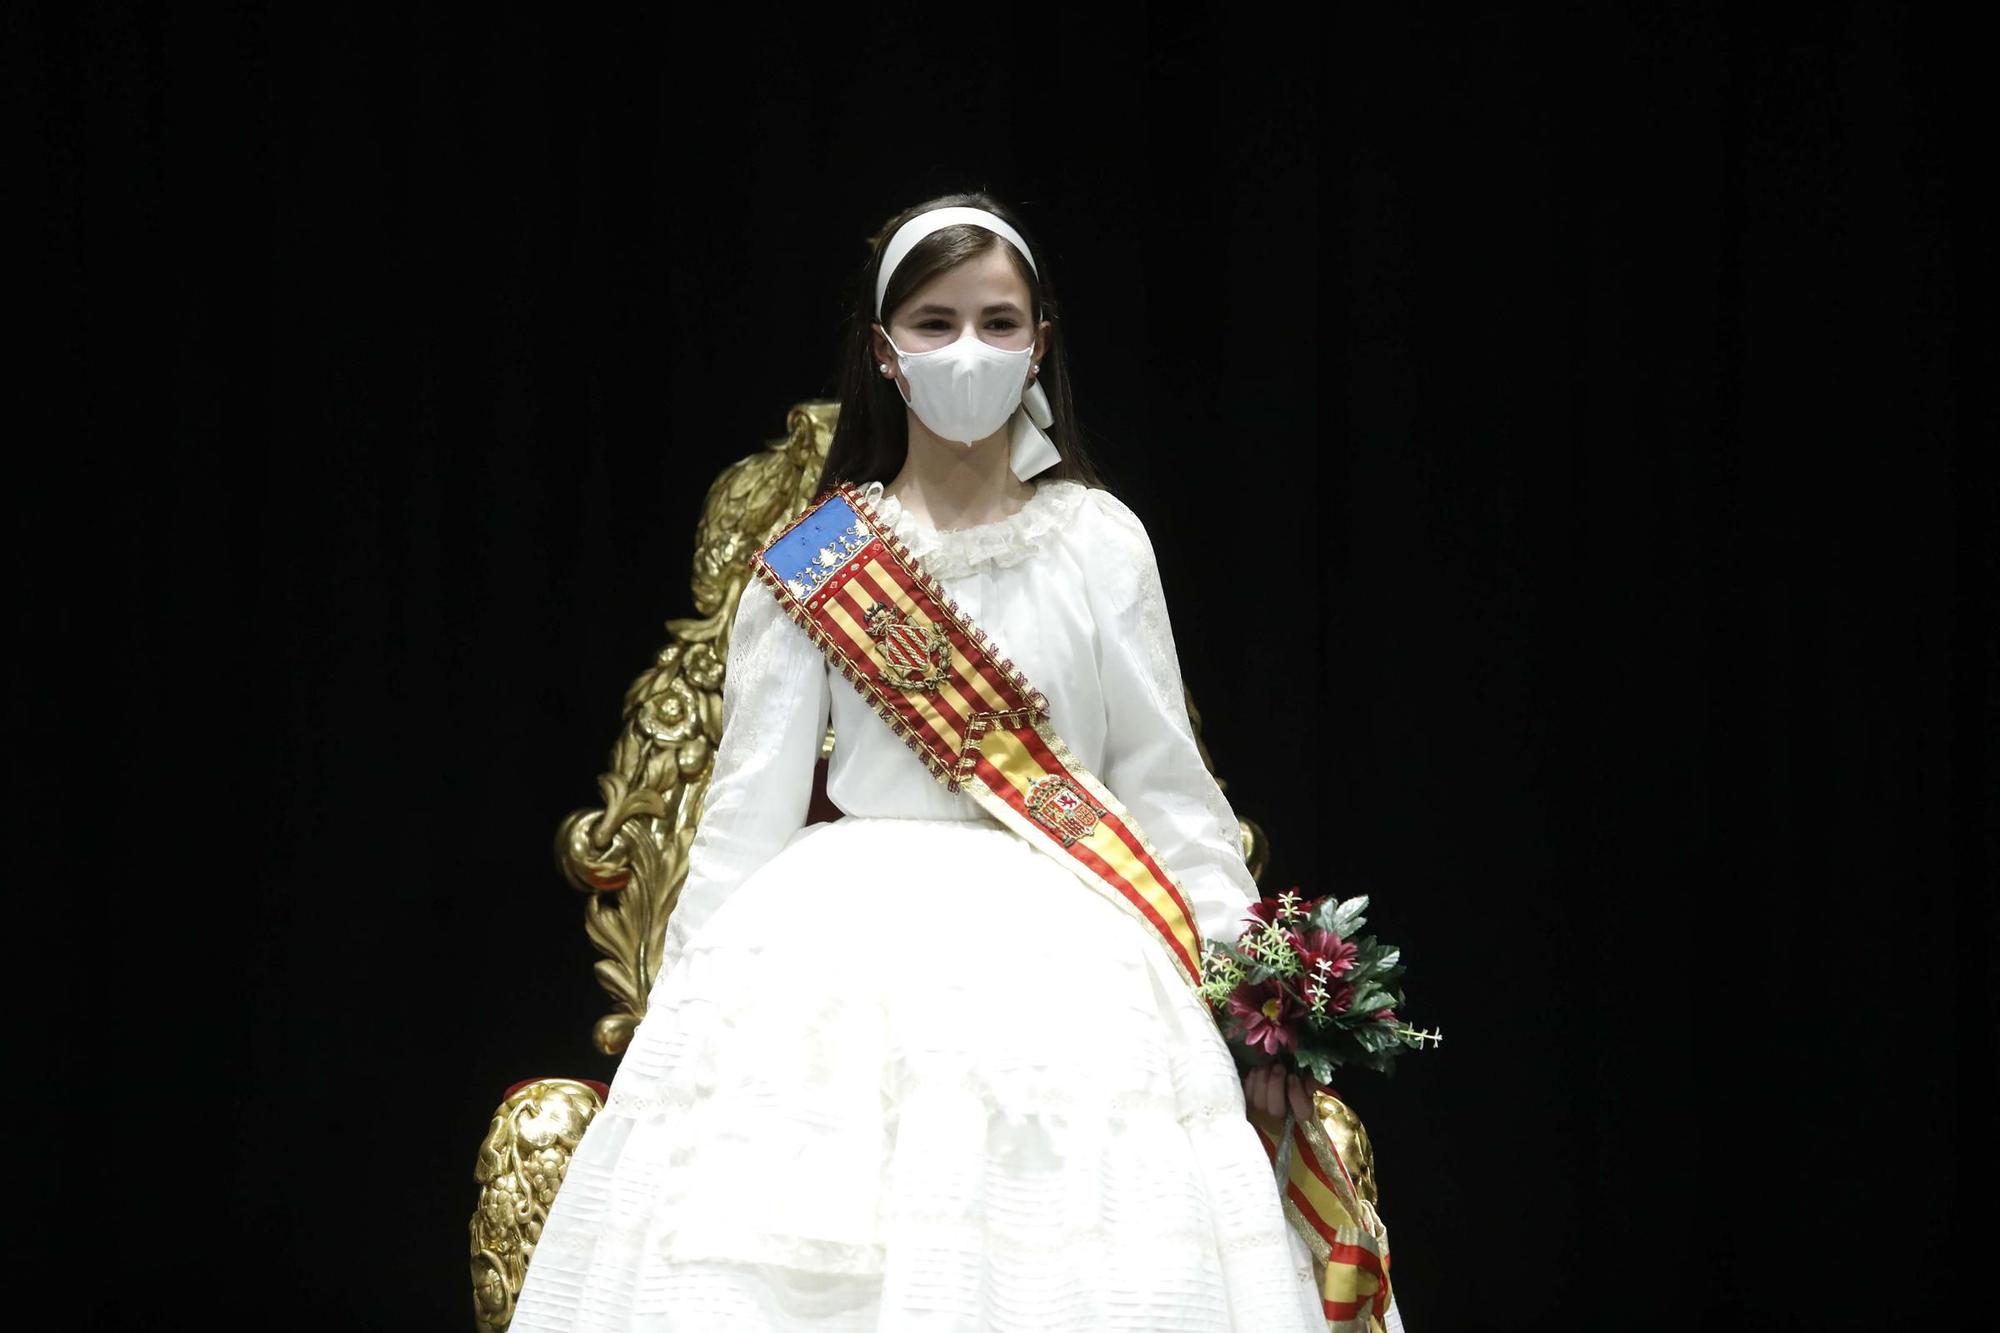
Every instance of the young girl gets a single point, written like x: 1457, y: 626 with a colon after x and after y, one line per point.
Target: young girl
x: 902, y: 1070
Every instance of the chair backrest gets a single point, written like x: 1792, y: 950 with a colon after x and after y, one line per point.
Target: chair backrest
x: 630, y: 852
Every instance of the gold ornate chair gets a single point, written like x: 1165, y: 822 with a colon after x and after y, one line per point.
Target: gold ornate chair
x: 629, y: 855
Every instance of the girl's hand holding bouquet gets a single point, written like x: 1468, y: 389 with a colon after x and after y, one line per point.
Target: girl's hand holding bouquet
x: 1275, y: 1090
x: 1301, y: 994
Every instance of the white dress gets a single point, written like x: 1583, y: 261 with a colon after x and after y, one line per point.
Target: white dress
x: 901, y: 1070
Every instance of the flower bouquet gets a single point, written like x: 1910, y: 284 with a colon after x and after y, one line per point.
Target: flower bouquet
x: 1300, y: 988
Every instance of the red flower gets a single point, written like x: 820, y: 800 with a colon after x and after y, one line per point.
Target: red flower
x: 1264, y: 1013
x: 1264, y: 911
x: 1313, y: 945
x: 1384, y: 1015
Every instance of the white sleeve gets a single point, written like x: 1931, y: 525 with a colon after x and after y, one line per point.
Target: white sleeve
x: 775, y: 705
x: 1151, y: 761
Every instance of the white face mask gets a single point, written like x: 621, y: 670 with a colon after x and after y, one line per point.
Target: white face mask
x: 965, y: 391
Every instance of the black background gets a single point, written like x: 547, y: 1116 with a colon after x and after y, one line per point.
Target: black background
x: 1568, y: 440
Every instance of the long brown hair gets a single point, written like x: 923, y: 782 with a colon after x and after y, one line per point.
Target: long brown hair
x: 871, y: 437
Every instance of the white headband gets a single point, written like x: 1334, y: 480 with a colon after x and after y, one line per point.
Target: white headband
x: 1029, y: 450
x: 922, y: 225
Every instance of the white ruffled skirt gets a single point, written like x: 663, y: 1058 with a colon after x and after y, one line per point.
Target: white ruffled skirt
x: 913, y: 1075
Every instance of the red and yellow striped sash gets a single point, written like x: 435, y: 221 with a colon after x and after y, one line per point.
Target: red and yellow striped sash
x: 1350, y: 1247
x: 976, y: 722
x: 981, y: 728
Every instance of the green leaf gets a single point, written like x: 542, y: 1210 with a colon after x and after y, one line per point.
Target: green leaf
x: 1347, y: 918
x: 1374, y: 1037
x: 1317, y: 1064
x: 1368, y: 999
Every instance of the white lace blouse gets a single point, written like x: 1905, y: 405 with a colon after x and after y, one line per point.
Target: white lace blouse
x: 1068, y: 587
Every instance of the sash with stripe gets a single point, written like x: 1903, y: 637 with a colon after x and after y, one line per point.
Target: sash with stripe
x: 978, y: 725
x: 1349, y: 1244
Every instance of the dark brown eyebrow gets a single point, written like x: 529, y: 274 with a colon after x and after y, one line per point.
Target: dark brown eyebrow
x: 947, y: 310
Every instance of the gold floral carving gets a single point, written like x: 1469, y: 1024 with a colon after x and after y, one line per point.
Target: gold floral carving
x: 521, y: 1164
x: 630, y: 854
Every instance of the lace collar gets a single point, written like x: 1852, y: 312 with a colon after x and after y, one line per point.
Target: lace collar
x: 1003, y: 541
